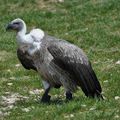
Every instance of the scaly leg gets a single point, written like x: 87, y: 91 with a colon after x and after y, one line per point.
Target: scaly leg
x: 46, y: 97
x: 68, y: 95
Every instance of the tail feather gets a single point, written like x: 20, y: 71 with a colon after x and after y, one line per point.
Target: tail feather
x: 87, y: 80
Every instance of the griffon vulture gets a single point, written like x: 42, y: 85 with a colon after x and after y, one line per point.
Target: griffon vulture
x: 59, y: 62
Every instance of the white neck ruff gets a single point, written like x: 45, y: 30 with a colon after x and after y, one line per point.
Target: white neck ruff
x: 31, y: 41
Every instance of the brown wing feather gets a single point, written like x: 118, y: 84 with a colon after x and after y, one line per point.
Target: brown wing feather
x: 25, y: 59
x: 76, y: 63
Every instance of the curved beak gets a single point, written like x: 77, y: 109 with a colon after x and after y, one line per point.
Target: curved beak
x: 9, y: 27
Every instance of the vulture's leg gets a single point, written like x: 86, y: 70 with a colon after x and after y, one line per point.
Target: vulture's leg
x: 68, y: 95
x: 46, y: 97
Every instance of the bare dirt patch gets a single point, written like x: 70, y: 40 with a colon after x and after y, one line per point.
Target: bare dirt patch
x: 8, y: 101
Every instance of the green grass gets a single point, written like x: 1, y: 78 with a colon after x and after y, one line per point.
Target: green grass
x: 93, y: 25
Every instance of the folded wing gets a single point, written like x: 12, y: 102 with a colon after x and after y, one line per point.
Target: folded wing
x: 72, y: 59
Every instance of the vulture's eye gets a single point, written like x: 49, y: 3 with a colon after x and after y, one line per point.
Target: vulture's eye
x: 17, y: 23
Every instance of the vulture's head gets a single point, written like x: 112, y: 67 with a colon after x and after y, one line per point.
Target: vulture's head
x: 16, y: 25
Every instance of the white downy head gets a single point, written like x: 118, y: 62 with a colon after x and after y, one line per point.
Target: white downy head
x: 32, y: 40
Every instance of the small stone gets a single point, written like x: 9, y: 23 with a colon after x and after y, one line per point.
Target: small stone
x: 9, y: 70
x: 26, y: 109
x: 33, y: 107
x: 17, y: 65
x: 93, y: 108
x: 104, y: 97
x: 10, y: 84
x: 118, y: 62
x: 61, y: 1
x: 106, y: 81
x: 7, y: 93
x: 31, y: 92
x: 36, y: 91
x: 71, y: 115
x: 117, y: 97
x: 117, y: 116
x: 66, y: 33
x: 83, y: 105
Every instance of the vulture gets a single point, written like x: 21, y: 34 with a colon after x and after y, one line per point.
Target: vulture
x: 58, y: 62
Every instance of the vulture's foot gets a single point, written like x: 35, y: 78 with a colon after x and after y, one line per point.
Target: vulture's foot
x: 45, y: 98
x: 68, y: 96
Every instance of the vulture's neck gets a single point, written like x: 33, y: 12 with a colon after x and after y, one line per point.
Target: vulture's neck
x: 30, y: 42
x: 22, y: 32
x: 24, y: 40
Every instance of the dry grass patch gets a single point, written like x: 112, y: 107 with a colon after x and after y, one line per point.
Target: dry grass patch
x: 46, y: 4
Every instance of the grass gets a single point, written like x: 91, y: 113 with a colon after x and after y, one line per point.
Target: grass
x: 93, y: 25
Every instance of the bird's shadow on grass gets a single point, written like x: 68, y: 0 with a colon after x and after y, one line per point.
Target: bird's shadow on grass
x: 58, y: 101
x: 55, y: 101
x: 61, y: 101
